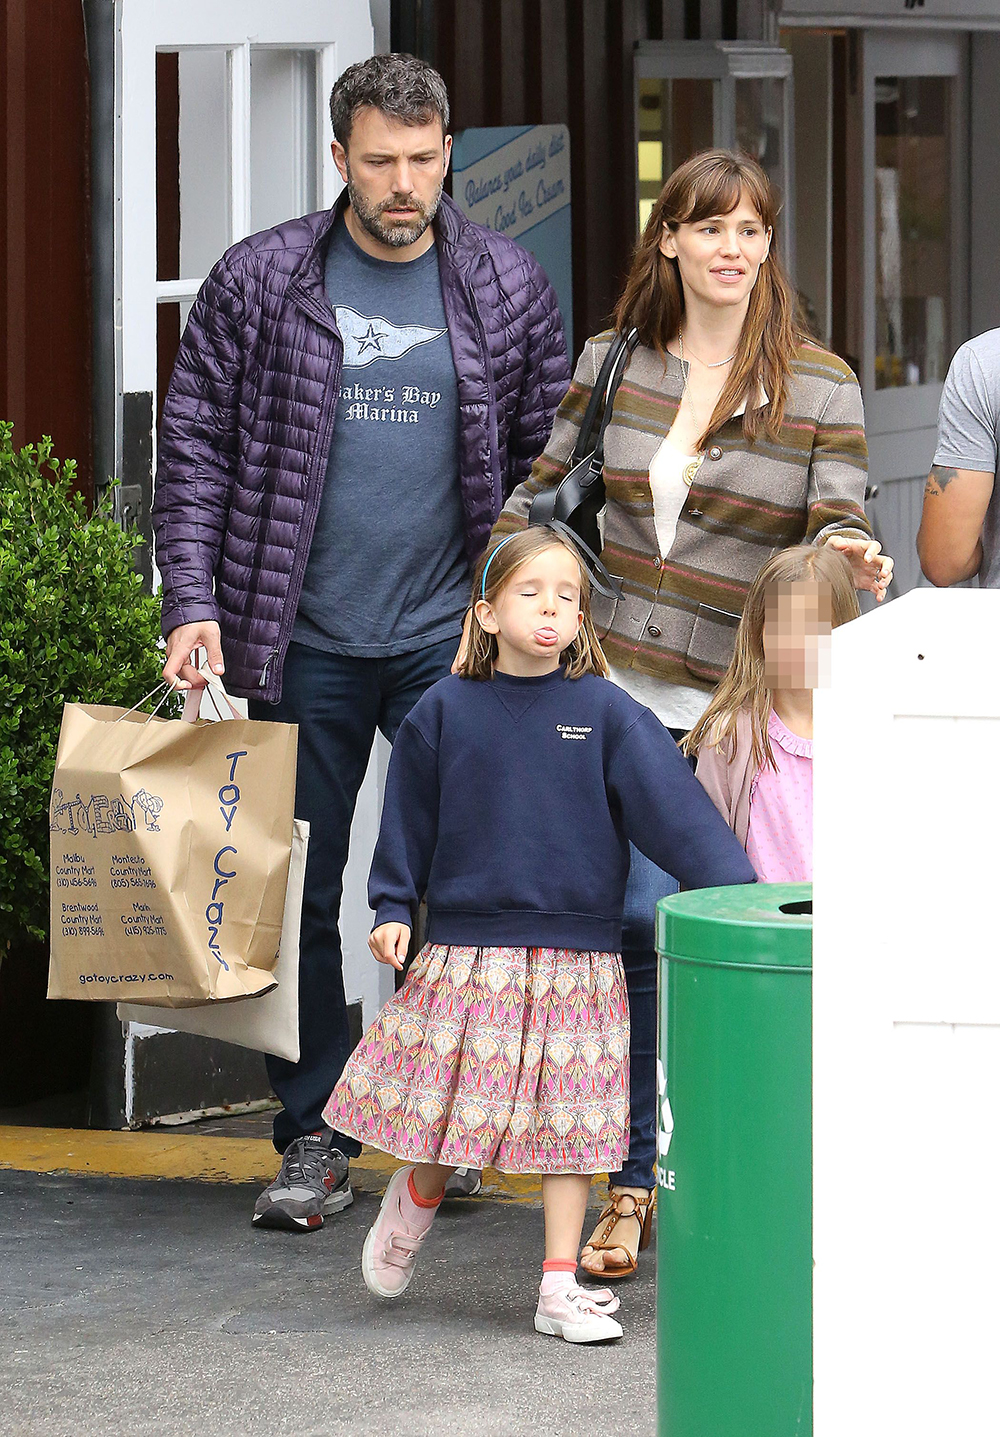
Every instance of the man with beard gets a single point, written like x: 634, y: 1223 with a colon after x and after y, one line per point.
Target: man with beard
x: 355, y: 395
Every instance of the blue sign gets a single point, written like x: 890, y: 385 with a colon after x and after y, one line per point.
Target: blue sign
x: 515, y: 179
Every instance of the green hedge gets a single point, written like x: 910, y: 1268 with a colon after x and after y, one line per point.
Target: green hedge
x: 75, y: 624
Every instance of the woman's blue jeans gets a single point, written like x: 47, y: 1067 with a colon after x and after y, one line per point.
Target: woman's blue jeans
x: 646, y: 884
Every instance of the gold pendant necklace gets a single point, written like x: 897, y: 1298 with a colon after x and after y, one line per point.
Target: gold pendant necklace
x: 690, y: 471
x: 685, y: 371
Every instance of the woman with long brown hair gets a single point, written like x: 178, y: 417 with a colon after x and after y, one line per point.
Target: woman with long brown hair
x: 733, y: 435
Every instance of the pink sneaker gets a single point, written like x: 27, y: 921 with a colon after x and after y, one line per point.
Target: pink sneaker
x: 389, y: 1255
x: 579, y: 1314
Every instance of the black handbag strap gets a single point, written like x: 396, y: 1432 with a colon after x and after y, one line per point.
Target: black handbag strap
x: 602, y: 396
x: 601, y: 580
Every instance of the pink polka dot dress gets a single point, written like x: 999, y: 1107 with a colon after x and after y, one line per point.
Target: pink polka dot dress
x: 780, y: 838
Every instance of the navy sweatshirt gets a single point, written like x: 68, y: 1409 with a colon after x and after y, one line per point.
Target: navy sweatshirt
x: 510, y: 804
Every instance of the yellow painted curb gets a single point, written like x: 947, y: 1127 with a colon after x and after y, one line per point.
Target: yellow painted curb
x: 187, y: 1157
x: 156, y: 1154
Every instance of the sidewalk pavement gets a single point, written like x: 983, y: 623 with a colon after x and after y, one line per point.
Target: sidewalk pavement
x: 151, y: 1307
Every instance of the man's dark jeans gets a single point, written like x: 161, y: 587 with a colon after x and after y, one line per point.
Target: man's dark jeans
x: 338, y: 704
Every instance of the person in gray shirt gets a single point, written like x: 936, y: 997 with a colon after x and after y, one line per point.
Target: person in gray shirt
x: 959, y: 534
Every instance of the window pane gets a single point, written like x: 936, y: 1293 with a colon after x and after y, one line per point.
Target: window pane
x: 168, y: 167
x: 912, y: 228
x: 192, y: 162
x: 205, y: 169
x: 284, y: 160
x: 675, y: 121
x: 812, y: 59
x: 758, y: 123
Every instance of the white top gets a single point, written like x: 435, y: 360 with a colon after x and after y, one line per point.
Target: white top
x: 669, y: 490
x: 675, y: 705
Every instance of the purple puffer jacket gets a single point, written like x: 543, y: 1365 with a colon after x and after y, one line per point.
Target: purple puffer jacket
x: 248, y: 417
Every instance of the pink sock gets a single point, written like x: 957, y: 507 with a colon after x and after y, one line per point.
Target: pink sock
x: 557, y: 1276
x: 417, y: 1212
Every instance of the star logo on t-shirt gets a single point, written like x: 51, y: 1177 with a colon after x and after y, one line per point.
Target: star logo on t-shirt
x: 371, y: 340
x: 368, y: 337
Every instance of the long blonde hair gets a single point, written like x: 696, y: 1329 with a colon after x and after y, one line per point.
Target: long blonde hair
x: 583, y: 656
x: 712, y: 183
x: 743, y: 688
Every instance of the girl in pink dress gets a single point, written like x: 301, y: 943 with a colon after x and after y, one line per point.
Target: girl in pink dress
x: 514, y: 789
x: 754, y: 741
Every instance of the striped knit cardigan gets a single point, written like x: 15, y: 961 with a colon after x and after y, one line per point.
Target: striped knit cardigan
x: 677, y: 617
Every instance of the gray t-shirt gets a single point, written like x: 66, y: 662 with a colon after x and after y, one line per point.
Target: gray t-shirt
x: 387, y: 570
x: 969, y: 431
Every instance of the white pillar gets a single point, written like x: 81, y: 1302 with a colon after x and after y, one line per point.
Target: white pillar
x: 906, y: 1027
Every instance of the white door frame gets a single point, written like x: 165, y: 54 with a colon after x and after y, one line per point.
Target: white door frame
x: 341, y: 34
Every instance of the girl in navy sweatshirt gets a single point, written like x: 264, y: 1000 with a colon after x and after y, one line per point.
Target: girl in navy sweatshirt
x: 514, y: 788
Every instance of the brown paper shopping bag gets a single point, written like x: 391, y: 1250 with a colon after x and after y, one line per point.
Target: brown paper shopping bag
x: 170, y: 844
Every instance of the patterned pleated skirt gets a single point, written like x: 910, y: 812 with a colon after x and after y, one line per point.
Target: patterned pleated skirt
x: 513, y: 1058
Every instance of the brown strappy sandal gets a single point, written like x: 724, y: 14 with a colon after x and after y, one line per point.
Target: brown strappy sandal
x: 641, y: 1209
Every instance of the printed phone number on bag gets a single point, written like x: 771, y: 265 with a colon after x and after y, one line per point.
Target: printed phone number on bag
x: 129, y: 871
x: 75, y: 875
x: 142, y: 922
x: 82, y: 920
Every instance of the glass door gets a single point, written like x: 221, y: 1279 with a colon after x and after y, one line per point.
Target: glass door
x: 692, y: 94
x: 915, y: 206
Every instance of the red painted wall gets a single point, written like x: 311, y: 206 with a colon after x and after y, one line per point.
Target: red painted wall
x: 45, y: 363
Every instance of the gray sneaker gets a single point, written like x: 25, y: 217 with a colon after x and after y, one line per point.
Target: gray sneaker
x: 313, y: 1182
x: 464, y: 1182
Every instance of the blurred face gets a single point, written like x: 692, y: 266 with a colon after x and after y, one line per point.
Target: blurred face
x: 797, y: 628
x: 394, y: 174
x: 719, y: 258
x: 537, y: 612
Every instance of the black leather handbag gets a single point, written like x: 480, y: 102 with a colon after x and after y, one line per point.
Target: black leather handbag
x: 578, y: 499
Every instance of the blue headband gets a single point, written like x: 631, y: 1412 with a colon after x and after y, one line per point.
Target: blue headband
x: 600, y: 579
x: 489, y: 561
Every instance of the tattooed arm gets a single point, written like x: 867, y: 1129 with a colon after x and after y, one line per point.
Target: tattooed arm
x: 950, y: 542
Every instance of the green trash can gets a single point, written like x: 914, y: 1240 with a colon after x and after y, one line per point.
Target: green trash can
x: 734, y: 1162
